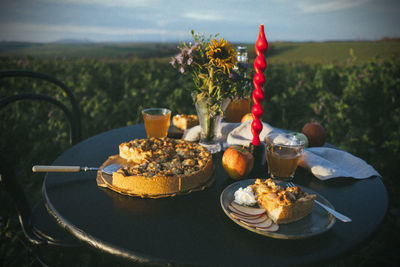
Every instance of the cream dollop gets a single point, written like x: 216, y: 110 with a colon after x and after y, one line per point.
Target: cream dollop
x: 245, y: 196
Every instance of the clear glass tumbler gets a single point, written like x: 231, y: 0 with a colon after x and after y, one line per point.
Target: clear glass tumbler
x: 283, y: 153
x: 156, y: 121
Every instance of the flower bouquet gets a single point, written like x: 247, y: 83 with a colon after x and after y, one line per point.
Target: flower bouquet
x: 211, y: 62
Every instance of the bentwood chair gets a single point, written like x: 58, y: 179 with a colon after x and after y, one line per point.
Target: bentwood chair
x: 38, y: 226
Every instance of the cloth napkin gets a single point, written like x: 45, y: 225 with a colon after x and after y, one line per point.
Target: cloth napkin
x: 326, y: 163
x: 231, y: 133
x: 323, y: 162
x: 193, y: 134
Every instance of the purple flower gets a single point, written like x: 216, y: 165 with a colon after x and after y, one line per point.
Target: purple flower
x: 184, y: 59
x: 179, y: 58
x: 193, y: 48
x: 173, y: 61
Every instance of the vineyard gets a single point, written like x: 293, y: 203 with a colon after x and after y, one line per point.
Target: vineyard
x: 357, y: 101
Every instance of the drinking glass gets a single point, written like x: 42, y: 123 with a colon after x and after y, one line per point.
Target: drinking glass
x: 283, y: 154
x: 156, y: 121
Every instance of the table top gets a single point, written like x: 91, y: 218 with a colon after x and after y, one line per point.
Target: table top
x: 193, y: 229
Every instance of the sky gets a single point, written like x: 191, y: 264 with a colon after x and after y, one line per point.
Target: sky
x: 172, y: 21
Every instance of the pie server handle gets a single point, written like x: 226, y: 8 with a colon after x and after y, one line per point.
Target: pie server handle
x: 47, y: 168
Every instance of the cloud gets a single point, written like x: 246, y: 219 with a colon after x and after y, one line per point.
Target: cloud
x: 53, y: 31
x: 110, y: 3
x: 202, y: 16
x: 324, y: 6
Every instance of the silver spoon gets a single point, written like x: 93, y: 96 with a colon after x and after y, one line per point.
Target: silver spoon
x: 46, y: 168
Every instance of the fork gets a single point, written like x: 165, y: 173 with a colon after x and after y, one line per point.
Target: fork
x: 338, y: 215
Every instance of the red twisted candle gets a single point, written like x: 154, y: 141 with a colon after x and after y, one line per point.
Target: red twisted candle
x: 258, y: 81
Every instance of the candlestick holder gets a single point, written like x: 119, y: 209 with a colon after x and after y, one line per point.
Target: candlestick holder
x: 260, y: 165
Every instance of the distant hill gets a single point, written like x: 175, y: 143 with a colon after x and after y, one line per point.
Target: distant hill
x: 73, y: 41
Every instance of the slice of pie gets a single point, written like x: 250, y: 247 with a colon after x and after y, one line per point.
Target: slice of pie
x: 162, y: 166
x: 183, y: 121
x: 283, y: 205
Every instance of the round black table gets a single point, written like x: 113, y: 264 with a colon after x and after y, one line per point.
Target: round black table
x: 193, y: 229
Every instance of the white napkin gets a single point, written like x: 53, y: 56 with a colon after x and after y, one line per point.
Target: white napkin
x: 193, y: 134
x: 231, y: 133
x: 242, y: 135
x: 323, y: 162
x: 326, y: 163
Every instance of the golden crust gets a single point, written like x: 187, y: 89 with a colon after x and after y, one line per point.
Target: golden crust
x: 162, y: 184
x: 162, y: 166
x: 184, y: 122
x: 283, y: 205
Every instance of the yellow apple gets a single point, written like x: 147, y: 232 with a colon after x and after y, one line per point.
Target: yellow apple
x: 247, y: 117
x: 237, y: 162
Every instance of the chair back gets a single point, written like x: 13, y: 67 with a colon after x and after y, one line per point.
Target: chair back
x: 8, y: 163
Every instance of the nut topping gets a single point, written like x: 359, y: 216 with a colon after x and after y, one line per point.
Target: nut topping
x: 154, y: 156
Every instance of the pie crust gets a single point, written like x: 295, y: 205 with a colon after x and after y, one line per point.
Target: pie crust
x: 283, y: 205
x: 161, y: 167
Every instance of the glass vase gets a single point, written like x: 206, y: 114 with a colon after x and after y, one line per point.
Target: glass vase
x: 210, y: 121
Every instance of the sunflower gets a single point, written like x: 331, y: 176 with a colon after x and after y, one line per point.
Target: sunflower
x: 221, y: 54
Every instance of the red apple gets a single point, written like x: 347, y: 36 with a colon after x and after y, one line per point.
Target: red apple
x: 315, y: 133
x: 237, y: 162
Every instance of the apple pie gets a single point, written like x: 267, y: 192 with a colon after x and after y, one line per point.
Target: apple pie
x: 164, y: 166
x: 283, y: 205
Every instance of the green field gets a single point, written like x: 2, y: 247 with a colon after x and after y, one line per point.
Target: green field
x: 278, y: 52
x: 332, y: 52
x: 86, y: 50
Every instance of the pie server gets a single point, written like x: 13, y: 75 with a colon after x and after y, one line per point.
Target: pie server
x: 46, y: 168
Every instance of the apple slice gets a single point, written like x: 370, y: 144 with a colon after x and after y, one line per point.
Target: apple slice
x: 233, y: 209
x: 249, y: 219
x: 248, y: 210
x: 236, y: 211
x: 245, y: 217
x: 262, y: 225
x: 273, y: 228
